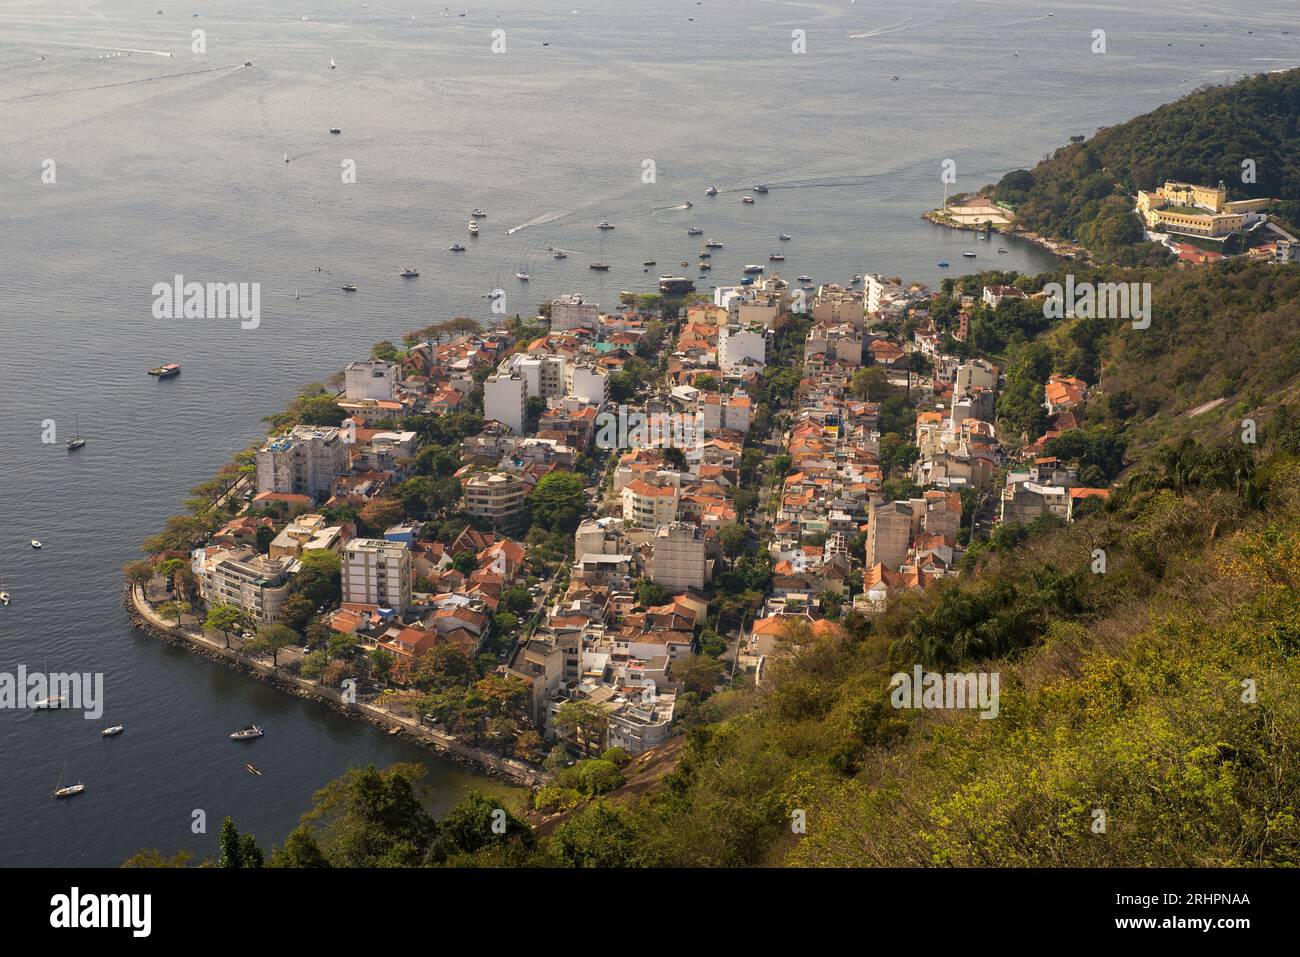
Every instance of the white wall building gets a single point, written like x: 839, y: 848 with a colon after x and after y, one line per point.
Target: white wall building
x: 737, y: 343
x: 373, y: 379
x: 505, y: 399
x: 304, y: 461
x: 377, y: 572
x: 587, y: 382
x: 573, y: 312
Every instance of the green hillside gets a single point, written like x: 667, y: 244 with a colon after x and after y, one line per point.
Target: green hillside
x: 1083, y: 191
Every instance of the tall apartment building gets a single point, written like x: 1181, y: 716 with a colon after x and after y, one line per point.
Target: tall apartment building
x: 725, y: 412
x: 304, y: 461
x: 738, y: 345
x: 505, y: 399
x: 543, y: 373
x: 496, y: 496
x: 889, y: 534
x: 253, y: 583
x: 678, y: 561
x: 586, y: 381
x: 648, y: 506
x: 373, y: 379
x: 573, y: 312
x: 377, y: 572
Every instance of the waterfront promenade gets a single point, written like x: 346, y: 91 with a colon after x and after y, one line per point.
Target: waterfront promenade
x: 146, y: 618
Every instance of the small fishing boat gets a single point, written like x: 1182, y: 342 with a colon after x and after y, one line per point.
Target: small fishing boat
x: 968, y: 254
x: 713, y: 244
x: 943, y: 264
x: 604, y: 224
x: 711, y: 191
x: 776, y: 258
x: 760, y: 188
x: 685, y: 262
x: 246, y: 733
x: 410, y: 272
x: 783, y: 237
x: 348, y: 287
x: 705, y: 266
x: 478, y: 213
x: 35, y: 543
x: 805, y: 278
x: 335, y: 130
x: 252, y: 770
x: 694, y: 231
x: 648, y: 262
x: 748, y: 200
x: 113, y: 731
x: 705, y: 254
x: 457, y: 247
x: 1001, y: 250
x: 561, y: 254
x: 167, y: 371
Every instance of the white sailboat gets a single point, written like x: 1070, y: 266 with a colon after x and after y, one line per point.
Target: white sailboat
x: 76, y: 441
x: 62, y: 790
x: 331, y: 63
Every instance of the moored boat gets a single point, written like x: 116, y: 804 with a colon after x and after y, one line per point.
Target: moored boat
x: 246, y: 733
x: 114, y: 730
x: 167, y: 371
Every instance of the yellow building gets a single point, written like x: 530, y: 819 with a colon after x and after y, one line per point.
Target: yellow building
x: 1197, y: 210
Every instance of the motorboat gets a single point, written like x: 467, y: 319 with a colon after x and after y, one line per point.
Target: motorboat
x: 776, y: 258
x: 252, y: 770
x: 711, y: 191
x: 747, y: 199
x: 473, y: 228
x: 604, y: 224
x: 113, y: 731
x: 713, y: 244
x: 943, y: 264
x: 477, y: 213
x: 522, y: 275
x: 760, y: 188
x: 968, y: 254
x: 457, y: 247
x: 783, y: 237
x: 348, y: 287
x: 805, y: 278
x: 409, y: 272
x: 752, y: 268
x: 704, y: 266
x: 335, y: 130
x: 600, y: 267
x: 167, y: 371
x: 561, y: 254
x: 35, y: 543
x: 246, y: 733
x: 694, y: 231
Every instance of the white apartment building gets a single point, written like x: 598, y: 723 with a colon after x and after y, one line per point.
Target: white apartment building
x: 679, y: 559
x: 881, y: 293
x: 496, y: 496
x: 573, y: 312
x: 587, y: 382
x: 544, y: 374
x: 373, y: 379
x: 304, y: 461
x: 377, y: 572
x: 256, y: 585
x: 648, y: 506
x: 976, y: 374
x: 505, y: 400
x: 738, y: 345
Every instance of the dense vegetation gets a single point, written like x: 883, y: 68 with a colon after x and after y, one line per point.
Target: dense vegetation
x: 1084, y: 191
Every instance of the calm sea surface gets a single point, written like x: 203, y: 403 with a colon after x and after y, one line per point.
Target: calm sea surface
x: 174, y: 164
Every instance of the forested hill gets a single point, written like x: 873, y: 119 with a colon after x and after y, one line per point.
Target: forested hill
x: 1084, y: 191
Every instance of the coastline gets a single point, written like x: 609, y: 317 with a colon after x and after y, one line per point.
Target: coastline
x: 1062, y: 250
x: 143, y: 617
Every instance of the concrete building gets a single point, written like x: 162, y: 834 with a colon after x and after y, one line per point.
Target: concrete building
x: 648, y: 506
x: 738, y: 345
x: 373, y: 379
x: 679, y: 560
x: 496, y: 496
x: 306, y: 533
x: 505, y: 399
x: 890, y: 534
x: 726, y: 412
x: 377, y: 572
x: 976, y: 374
x: 587, y: 382
x: 543, y: 373
x: 255, y: 584
x: 304, y: 461
x: 573, y: 312
x: 1192, y: 210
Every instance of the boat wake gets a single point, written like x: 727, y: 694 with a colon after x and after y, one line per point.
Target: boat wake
x: 541, y: 220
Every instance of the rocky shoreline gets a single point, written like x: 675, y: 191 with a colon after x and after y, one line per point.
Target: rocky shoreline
x: 490, y: 765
